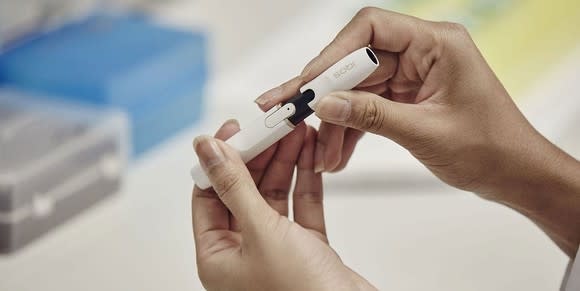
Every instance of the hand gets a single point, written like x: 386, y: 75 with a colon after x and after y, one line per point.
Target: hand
x: 244, y: 240
x: 435, y: 95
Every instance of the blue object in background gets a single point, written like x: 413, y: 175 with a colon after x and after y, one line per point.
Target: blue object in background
x: 156, y: 74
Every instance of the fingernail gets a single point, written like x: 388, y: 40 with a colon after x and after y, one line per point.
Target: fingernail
x: 232, y: 124
x: 207, y: 151
x: 319, y: 158
x: 333, y: 108
x: 265, y: 98
x: 232, y: 121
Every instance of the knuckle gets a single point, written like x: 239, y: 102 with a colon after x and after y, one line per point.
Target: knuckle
x: 429, y: 33
x: 309, y: 196
x: 275, y: 194
x: 204, y: 194
x: 453, y: 27
x: 454, y: 37
x: 458, y: 29
x: 367, y: 12
x: 372, y: 117
x: 452, y: 30
x: 227, y: 181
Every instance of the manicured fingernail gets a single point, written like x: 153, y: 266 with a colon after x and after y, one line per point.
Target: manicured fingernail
x: 207, y: 151
x: 232, y: 121
x: 231, y: 124
x: 265, y: 98
x: 319, y: 158
x: 333, y: 108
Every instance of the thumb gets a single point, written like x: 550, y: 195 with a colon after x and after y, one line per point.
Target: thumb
x: 370, y: 112
x: 231, y: 180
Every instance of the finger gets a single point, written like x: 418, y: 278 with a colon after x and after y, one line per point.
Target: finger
x: 328, y: 147
x: 228, y: 129
x: 208, y: 212
x: 258, y: 165
x: 307, y: 196
x: 281, y: 93
x: 285, y: 91
x: 367, y: 27
x: 326, y: 162
x: 277, y: 180
x: 351, y: 138
x: 231, y: 181
x: 369, y: 112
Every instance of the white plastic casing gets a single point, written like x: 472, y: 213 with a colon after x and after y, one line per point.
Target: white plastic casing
x: 343, y: 75
x: 250, y: 142
x: 263, y: 132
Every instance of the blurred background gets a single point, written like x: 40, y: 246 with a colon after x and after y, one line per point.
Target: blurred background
x: 99, y: 102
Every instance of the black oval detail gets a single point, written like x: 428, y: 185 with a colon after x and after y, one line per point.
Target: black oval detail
x: 371, y: 55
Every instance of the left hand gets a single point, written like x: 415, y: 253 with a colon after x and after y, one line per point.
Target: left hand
x: 244, y: 239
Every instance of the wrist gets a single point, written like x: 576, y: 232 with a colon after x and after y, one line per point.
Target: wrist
x: 543, y: 183
x: 535, y: 175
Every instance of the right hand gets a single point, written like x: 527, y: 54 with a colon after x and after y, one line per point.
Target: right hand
x: 435, y: 95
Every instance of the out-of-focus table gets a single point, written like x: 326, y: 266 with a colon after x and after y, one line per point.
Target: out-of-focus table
x: 408, y: 233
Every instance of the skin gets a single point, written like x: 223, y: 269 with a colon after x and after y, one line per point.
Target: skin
x: 244, y: 239
x: 435, y: 95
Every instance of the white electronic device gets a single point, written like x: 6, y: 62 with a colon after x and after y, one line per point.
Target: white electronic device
x: 277, y: 122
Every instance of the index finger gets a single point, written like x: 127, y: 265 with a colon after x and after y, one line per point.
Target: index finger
x: 381, y: 29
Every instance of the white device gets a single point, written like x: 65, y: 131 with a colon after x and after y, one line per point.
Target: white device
x: 277, y: 122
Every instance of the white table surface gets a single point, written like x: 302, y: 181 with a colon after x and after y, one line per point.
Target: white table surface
x: 408, y: 233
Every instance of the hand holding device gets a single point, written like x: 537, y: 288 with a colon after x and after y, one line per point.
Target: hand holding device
x: 280, y: 120
x: 435, y: 95
x: 246, y: 239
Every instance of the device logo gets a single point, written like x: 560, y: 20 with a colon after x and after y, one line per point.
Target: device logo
x: 344, y: 70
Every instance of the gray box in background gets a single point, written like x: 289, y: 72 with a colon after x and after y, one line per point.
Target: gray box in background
x: 56, y: 160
